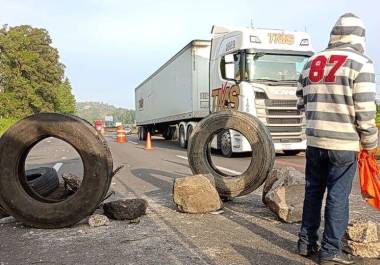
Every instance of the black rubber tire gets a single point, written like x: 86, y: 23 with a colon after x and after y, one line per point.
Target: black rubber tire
x: 189, y: 133
x: 182, y: 140
x: 26, y: 205
x: 106, y: 150
x: 291, y: 152
x: 226, y: 151
x: 43, y: 180
x: 261, y: 144
x: 140, y: 133
x: 143, y: 133
x: 168, y: 133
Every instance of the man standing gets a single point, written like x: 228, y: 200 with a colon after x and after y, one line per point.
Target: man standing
x: 337, y: 92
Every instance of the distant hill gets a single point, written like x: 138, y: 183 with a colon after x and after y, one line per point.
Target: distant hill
x: 92, y: 111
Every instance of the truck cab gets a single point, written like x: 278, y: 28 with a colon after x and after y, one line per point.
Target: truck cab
x: 256, y: 71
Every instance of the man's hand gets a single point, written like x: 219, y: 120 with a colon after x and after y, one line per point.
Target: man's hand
x: 372, y: 151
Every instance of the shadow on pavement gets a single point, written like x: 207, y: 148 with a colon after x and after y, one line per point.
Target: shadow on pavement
x: 259, y: 257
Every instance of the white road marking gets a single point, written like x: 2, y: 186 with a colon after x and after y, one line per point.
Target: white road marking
x: 218, y: 167
x: 57, y: 166
x: 132, y: 142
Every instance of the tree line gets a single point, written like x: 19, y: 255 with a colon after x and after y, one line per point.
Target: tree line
x: 32, y: 79
x: 92, y: 111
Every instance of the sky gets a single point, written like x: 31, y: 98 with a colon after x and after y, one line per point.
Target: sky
x: 110, y: 46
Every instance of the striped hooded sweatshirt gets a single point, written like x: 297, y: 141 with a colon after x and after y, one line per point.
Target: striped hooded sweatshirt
x: 337, y: 89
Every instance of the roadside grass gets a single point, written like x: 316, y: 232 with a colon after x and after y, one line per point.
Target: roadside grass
x: 5, y: 123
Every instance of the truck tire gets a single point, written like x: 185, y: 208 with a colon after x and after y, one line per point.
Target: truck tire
x: 43, y: 180
x: 224, y: 139
x: 258, y: 136
x: 182, y: 139
x: 189, y: 132
x: 143, y: 133
x: 20, y: 201
x: 106, y: 150
x: 168, y: 133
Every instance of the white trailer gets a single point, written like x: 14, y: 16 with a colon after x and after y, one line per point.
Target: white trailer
x: 177, y: 92
x: 246, y: 69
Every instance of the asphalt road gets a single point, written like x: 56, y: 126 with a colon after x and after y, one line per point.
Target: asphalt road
x: 246, y: 232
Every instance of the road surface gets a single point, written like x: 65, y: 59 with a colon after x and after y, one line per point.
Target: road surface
x: 246, y: 232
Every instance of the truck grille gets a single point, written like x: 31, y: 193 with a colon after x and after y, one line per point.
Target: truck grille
x: 287, y: 140
x: 280, y: 103
x: 284, y: 120
x: 281, y: 112
x: 283, y: 129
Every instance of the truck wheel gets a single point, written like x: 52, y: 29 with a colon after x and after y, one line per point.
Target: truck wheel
x: 182, y: 139
x: 143, y: 133
x: 258, y: 136
x: 17, y: 197
x: 139, y: 133
x: 189, y: 132
x: 224, y: 139
x: 168, y: 133
x: 291, y: 152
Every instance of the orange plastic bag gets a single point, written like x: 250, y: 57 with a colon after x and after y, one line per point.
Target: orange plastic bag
x: 369, y: 178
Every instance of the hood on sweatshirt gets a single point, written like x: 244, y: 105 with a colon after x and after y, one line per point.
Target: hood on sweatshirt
x: 349, y: 31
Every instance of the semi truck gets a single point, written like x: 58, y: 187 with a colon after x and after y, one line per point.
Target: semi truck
x: 251, y: 70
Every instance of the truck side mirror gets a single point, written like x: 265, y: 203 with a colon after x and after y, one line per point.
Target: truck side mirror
x: 227, y: 67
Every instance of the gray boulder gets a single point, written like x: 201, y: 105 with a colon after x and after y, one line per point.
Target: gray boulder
x: 196, y: 194
x: 284, y: 193
x: 125, y: 209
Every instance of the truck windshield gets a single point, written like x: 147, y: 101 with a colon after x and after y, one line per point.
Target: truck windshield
x: 273, y: 67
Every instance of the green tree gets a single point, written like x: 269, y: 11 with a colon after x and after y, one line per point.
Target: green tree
x: 31, y: 76
x: 65, y: 99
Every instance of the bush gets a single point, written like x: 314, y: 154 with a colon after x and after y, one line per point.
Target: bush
x: 5, y: 123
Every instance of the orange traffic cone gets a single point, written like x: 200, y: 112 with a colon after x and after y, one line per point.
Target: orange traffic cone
x: 120, y: 135
x: 148, y: 143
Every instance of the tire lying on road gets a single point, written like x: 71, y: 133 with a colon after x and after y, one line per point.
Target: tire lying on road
x: 258, y: 136
x: 26, y: 205
x: 43, y: 180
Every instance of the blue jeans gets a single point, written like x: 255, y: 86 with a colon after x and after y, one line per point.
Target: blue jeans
x: 335, y: 171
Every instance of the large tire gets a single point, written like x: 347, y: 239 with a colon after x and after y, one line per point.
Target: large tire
x: 189, y: 132
x: 182, y: 139
x: 106, y: 149
x: 43, y: 180
x: 143, y: 133
x: 258, y: 136
x: 20, y: 201
x: 168, y: 133
x: 225, y: 144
